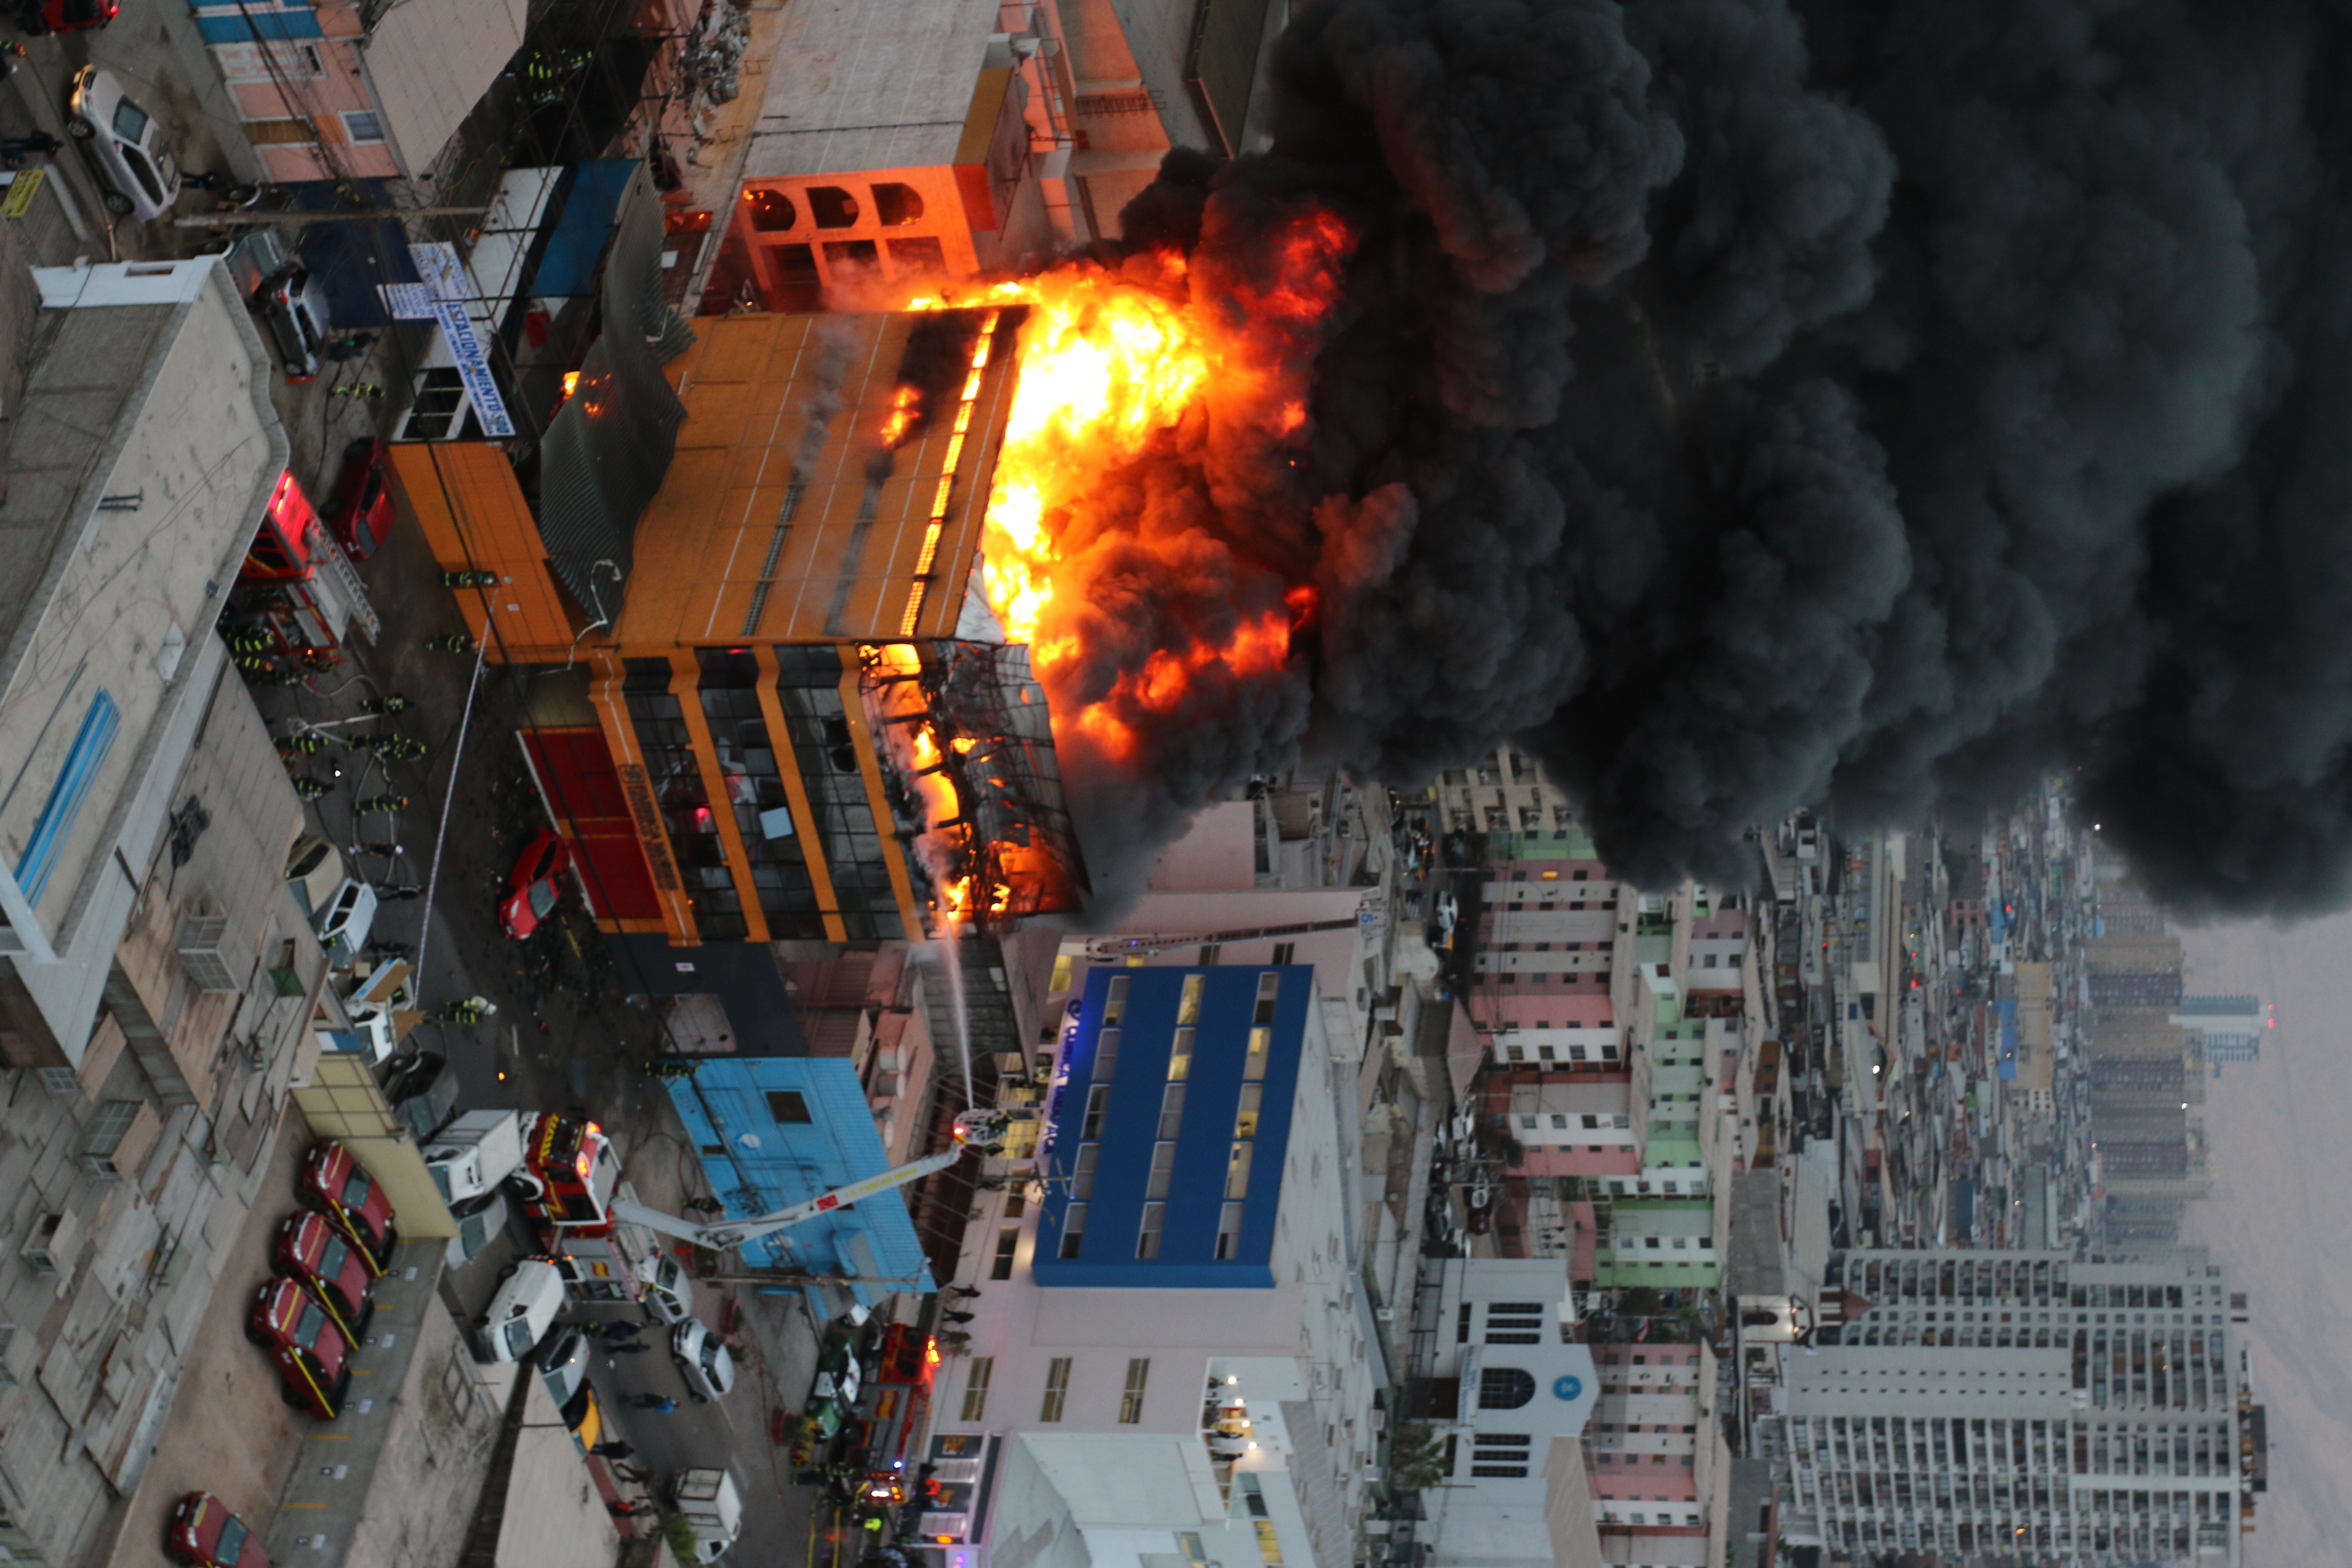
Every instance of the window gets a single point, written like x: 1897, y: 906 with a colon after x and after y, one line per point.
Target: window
x: 1130, y: 1402
x: 920, y: 255
x: 1058, y: 1388
x: 771, y: 212
x: 1082, y: 1171
x: 831, y: 206
x: 364, y: 126
x: 1269, y: 987
x: 975, y: 1387
x: 1179, y: 1056
x: 1106, y: 1055
x: 843, y: 254
x: 1146, y: 1239
x: 1098, y: 1101
x: 1500, y: 1472
x: 1062, y: 967
x: 1229, y: 1232
x: 1505, y: 1388
x: 1115, y: 1001
x: 1253, y: 1064
x: 1237, y: 1169
x: 1074, y: 1233
x: 1245, y: 1114
x: 1188, y: 1004
x: 1210, y: 952
x: 1284, y: 952
x: 1008, y: 1243
x: 787, y: 1106
x: 1171, y: 1110
x: 1163, y: 1168
x: 895, y: 204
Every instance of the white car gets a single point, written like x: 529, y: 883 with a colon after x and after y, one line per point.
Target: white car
x: 668, y: 1291
x: 315, y: 869
x: 127, y: 144
x: 563, y: 1363
x: 703, y: 1360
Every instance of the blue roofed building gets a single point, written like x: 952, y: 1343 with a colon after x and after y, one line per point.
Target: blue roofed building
x: 773, y: 1130
x: 1173, y: 1299
x: 1167, y: 1126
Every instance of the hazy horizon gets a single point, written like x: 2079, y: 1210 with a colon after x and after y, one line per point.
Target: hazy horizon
x: 2281, y: 1213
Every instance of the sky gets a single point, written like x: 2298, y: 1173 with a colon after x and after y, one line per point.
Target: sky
x: 2280, y: 1216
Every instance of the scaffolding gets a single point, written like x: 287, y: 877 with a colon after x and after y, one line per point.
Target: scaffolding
x: 996, y: 844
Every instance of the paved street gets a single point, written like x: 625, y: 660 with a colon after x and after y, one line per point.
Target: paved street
x: 565, y: 1034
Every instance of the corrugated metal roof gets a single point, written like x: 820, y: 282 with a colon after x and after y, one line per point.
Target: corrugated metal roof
x: 609, y: 446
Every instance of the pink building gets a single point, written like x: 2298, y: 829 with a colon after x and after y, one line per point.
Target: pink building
x: 1649, y: 1448
x: 323, y: 96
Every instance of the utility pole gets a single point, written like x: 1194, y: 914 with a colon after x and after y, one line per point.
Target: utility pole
x: 338, y: 215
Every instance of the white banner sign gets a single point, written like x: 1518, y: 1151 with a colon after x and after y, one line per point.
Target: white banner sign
x: 406, y: 302
x: 445, y: 278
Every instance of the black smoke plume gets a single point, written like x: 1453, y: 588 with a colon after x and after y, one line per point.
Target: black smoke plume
x: 1862, y: 404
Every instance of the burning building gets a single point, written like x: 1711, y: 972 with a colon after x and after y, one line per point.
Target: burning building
x: 776, y: 705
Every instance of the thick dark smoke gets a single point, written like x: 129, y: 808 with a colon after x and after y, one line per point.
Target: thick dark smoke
x: 1865, y: 404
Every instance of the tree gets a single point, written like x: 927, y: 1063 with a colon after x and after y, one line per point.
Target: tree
x: 1417, y: 1459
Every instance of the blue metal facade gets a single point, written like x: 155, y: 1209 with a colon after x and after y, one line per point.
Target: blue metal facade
x: 757, y: 1162
x: 1205, y: 1240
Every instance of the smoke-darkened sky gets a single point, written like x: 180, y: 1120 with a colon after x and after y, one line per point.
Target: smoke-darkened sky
x: 1748, y: 404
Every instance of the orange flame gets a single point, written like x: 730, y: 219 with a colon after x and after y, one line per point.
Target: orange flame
x: 903, y: 409
x: 1110, y: 364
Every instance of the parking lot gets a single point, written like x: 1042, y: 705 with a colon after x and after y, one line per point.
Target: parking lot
x: 227, y: 1385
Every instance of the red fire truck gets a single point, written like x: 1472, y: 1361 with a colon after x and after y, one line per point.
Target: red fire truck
x: 297, y: 585
x: 581, y: 1165
x: 892, y: 1410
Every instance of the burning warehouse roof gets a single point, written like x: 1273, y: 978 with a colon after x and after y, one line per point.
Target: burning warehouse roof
x: 829, y: 483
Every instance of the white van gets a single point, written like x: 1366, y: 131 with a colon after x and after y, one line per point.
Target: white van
x: 350, y: 916
x: 521, y: 1312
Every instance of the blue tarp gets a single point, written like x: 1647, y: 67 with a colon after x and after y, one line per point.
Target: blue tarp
x: 2007, y: 1011
x: 1964, y: 1206
x: 575, y: 241
x: 349, y: 260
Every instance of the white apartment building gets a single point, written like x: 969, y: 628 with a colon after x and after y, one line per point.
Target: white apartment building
x: 2022, y: 1403
x: 1512, y: 1394
x: 1170, y: 1351
x: 1508, y: 792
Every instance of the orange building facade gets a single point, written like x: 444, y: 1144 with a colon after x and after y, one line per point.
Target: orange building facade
x: 784, y: 711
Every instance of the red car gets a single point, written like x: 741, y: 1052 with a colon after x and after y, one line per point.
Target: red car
x: 332, y: 1182
x: 360, y: 516
x: 314, y: 1359
x: 313, y: 1253
x: 66, y: 17
x: 203, y: 1531
x: 535, y: 884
